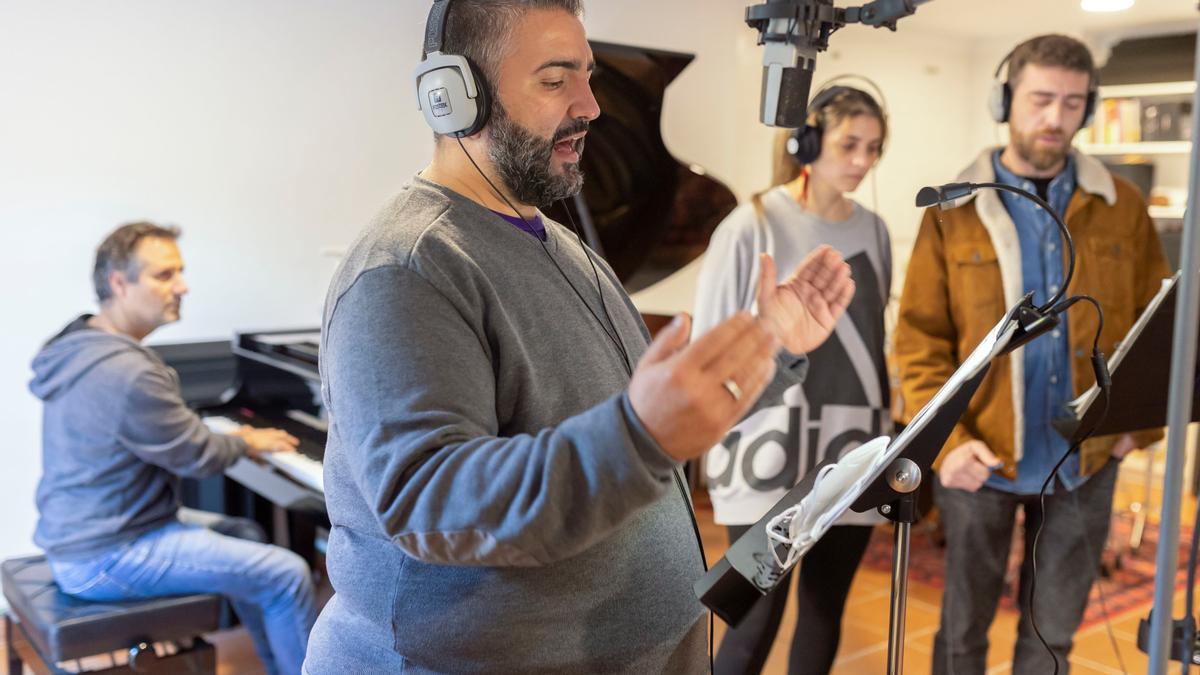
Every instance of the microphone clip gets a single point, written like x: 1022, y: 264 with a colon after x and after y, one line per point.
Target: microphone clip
x: 1032, y: 322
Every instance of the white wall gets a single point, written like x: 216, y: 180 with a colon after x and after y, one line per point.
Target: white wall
x: 271, y: 130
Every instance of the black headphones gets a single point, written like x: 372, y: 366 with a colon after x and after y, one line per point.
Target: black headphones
x: 804, y: 143
x: 1000, y: 97
x: 451, y: 93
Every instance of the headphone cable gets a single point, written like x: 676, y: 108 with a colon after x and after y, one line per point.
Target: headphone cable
x: 615, y: 339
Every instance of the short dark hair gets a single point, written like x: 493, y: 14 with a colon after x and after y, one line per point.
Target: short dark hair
x: 481, y: 31
x: 116, y: 253
x: 1052, y: 50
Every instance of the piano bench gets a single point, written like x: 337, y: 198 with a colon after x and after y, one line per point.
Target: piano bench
x: 47, y: 628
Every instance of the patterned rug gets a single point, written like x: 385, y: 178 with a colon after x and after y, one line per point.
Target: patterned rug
x: 1128, y: 576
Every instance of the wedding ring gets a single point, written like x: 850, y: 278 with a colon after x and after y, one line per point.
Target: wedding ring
x: 732, y: 387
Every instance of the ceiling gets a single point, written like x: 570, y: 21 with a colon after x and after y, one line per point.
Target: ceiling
x: 1005, y: 18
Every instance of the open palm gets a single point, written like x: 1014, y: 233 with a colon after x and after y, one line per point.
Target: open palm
x: 802, y: 310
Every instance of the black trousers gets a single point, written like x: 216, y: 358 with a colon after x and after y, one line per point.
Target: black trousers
x: 824, y: 577
x: 979, y: 531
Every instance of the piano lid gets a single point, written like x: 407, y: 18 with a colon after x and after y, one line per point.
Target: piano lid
x: 294, y: 351
x: 652, y: 213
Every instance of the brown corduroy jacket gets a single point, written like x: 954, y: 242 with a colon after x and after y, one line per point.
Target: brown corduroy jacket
x: 965, y: 272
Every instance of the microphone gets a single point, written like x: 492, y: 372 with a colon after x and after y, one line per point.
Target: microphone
x: 791, y: 33
x: 1033, y: 320
x: 943, y: 195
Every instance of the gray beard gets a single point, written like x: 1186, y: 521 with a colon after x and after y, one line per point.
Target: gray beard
x: 523, y: 161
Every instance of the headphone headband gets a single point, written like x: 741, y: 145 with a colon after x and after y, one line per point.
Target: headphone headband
x: 450, y: 92
x: 1000, y: 98
x: 435, y: 26
x: 804, y: 144
x: 876, y: 94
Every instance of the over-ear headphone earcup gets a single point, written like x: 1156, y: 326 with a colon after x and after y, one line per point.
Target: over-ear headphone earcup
x: 483, y: 102
x: 805, y: 144
x: 999, y: 101
x: 1089, y: 108
x: 444, y: 83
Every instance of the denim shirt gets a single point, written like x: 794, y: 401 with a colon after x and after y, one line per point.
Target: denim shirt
x: 1047, y: 359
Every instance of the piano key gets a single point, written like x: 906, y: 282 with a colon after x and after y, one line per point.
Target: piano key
x: 300, y: 468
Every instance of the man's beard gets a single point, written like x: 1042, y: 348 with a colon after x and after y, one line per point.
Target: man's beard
x: 523, y: 160
x: 1041, y: 158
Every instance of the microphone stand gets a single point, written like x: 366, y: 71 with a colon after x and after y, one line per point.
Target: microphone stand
x: 1183, y: 364
x: 792, y: 32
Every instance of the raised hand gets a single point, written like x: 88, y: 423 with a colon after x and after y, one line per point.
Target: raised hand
x: 802, y: 311
x: 688, y: 396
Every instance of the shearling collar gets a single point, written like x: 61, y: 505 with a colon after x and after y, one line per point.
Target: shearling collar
x: 1090, y: 175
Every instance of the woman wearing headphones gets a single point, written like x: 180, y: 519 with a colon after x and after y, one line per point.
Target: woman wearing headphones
x: 844, y: 400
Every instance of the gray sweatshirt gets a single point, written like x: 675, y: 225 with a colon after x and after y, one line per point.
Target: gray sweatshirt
x: 844, y: 400
x: 116, y: 436
x: 496, y: 505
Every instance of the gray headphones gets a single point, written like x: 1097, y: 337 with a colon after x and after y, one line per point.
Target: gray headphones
x: 450, y: 92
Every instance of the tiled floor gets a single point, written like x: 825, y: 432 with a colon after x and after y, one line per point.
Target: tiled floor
x: 865, y: 630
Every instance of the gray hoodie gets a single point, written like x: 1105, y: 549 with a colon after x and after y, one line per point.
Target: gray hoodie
x: 116, y: 436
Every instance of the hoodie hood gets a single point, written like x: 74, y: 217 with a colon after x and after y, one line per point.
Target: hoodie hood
x: 72, y: 353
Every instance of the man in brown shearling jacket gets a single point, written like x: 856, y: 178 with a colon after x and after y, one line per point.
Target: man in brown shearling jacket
x: 968, y: 265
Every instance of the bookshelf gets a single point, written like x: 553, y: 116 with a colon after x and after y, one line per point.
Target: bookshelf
x: 1143, y: 130
x: 1139, y: 148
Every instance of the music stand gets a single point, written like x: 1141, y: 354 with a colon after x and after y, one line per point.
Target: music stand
x: 1139, y: 400
x: 751, y: 567
x: 1139, y: 377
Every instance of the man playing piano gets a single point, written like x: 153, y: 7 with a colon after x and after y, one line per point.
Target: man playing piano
x: 504, y: 444
x: 116, y: 437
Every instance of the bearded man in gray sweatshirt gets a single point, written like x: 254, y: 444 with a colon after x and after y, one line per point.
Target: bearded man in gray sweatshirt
x: 117, y: 436
x: 504, y: 443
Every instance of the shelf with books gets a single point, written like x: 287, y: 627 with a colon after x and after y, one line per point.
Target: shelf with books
x: 1167, y: 212
x: 1153, y: 118
x: 1139, y: 148
x: 1142, y: 132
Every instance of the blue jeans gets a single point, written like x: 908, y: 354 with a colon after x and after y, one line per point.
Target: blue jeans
x: 270, y: 587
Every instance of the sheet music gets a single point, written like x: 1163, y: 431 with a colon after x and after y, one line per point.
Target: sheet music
x: 841, y: 484
x: 1085, y: 400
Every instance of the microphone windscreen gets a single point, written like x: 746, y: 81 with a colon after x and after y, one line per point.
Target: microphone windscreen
x: 784, y: 101
x: 928, y: 196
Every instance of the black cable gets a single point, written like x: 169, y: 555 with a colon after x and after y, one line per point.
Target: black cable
x: 1189, y: 638
x: 1105, y: 383
x: 1112, y: 638
x: 587, y: 253
x: 678, y: 481
x: 614, y: 338
x: 1066, y: 236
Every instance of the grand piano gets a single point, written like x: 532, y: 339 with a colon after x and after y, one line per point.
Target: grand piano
x: 646, y: 212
